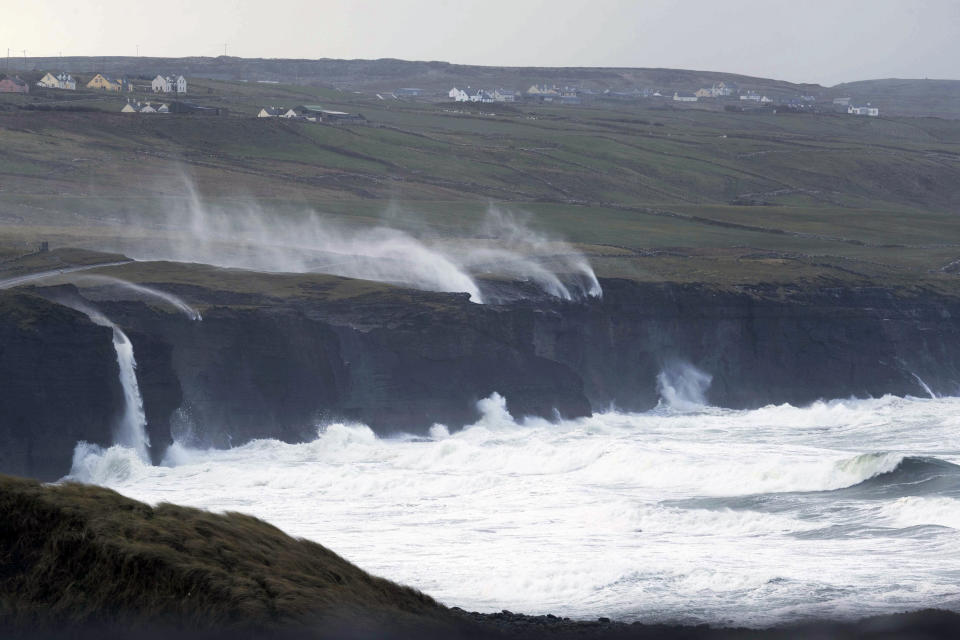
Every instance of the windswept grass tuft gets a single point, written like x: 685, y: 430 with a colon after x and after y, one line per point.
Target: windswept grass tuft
x: 82, y: 556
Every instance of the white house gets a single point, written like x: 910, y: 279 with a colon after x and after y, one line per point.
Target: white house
x: 481, y: 96
x: 504, y: 95
x: 59, y: 81
x: 863, y: 111
x: 458, y: 95
x: 751, y: 95
x: 163, y: 109
x: 681, y: 96
x: 128, y: 108
x: 169, y: 84
x: 147, y: 108
x: 290, y: 113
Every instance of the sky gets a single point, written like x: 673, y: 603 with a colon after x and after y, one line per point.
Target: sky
x: 821, y: 41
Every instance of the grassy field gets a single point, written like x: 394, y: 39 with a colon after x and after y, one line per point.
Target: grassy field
x: 649, y: 191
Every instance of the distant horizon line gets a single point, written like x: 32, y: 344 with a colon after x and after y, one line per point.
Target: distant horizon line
x: 21, y: 60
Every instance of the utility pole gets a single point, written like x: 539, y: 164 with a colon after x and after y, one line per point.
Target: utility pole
x: 24, y: 59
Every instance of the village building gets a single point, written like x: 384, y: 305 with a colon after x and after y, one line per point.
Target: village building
x: 316, y: 113
x: 684, y: 96
x: 842, y: 102
x: 570, y: 95
x: 106, y: 83
x: 14, y: 85
x: 458, y: 95
x: 143, y: 107
x: 59, y: 81
x: 408, y: 92
x: 863, y: 111
x: 169, y: 84
x: 481, y: 96
x: 270, y: 112
x: 543, y: 91
x: 504, y: 95
x: 291, y: 113
x: 189, y: 108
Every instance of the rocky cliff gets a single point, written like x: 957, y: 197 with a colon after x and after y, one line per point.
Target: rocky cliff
x: 262, y: 365
x: 58, y: 384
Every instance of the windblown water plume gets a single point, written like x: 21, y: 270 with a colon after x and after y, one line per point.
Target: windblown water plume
x: 131, y: 432
x: 924, y: 386
x: 169, y: 298
x: 682, y: 386
x: 246, y: 235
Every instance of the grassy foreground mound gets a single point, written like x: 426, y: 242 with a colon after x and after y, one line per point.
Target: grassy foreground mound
x: 86, y: 558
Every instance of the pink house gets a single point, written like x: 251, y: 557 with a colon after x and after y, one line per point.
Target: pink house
x: 14, y: 85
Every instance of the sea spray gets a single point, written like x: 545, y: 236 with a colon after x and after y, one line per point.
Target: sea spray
x: 169, y: 298
x: 682, y: 386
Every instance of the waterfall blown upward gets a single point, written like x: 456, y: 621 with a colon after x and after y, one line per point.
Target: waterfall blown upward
x: 169, y: 298
x: 131, y: 432
x: 247, y: 235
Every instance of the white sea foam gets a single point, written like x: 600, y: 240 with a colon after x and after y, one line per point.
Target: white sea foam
x: 668, y: 515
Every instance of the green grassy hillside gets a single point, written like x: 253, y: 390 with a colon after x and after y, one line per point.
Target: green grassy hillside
x: 650, y: 190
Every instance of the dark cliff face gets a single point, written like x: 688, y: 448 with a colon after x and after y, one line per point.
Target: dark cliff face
x: 58, y: 384
x: 402, y: 362
x: 281, y: 371
x: 761, y: 345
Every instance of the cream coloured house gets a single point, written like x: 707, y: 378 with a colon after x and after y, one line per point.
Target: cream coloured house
x: 59, y: 81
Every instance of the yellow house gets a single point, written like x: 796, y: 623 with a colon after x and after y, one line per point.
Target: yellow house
x: 49, y: 81
x: 105, y: 83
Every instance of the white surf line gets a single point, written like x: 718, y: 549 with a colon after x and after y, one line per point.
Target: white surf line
x: 32, y: 277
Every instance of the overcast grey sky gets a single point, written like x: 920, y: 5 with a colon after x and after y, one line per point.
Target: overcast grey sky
x: 825, y: 41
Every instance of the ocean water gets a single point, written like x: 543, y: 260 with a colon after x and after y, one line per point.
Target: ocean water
x: 841, y: 509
